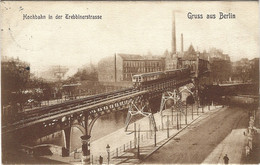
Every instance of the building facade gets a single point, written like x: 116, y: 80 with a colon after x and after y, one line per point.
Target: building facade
x: 54, y: 73
x: 171, y: 60
x: 122, y: 67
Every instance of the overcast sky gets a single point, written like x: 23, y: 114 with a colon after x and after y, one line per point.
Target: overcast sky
x: 125, y: 27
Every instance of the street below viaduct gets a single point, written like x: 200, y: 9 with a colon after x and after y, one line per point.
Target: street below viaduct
x: 196, y: 143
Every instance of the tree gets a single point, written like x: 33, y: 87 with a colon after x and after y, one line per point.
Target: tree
x: 87, y: 73
x: 254, y: 70
x: 15, y: 77
x: 245, y: 70
x: 220, y: 70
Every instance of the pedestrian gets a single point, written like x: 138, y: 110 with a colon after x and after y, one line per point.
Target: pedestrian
x: 100, y: 160
x: 247, y: 150
x: 226, y: 159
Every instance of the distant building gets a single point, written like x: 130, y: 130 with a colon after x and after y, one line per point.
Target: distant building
x: 188, y: 58
x: 254, y: 63
x: 212, y: 54
x: 218, y: 54
x: 122, y: 67
x: 170, y: 60
x: 71, y: 91
x: 54, y: 73
x: 190, y: 54
x: 204, y: 55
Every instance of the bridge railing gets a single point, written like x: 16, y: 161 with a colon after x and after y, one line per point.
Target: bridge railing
x: 49, y: 113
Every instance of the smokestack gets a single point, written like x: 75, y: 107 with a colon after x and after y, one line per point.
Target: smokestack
x: 173, y: 35
x: 181, y: 42
x: 115, y: 67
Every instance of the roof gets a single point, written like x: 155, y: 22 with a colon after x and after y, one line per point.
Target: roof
x: 130, y: 56
x: 255, y: 59
x: 139, y: 57
x: 190, y: 58
x: 149, y: 74
x: 71, y: 85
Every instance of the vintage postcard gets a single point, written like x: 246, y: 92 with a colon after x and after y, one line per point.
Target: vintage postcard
x: 133, y: 82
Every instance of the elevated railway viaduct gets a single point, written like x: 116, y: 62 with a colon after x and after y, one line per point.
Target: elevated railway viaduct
x: 82, y: 113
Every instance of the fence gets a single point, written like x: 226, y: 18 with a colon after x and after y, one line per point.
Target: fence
x: 169, y: 124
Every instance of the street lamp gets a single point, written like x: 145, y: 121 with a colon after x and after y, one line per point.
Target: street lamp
x: 108, y: 153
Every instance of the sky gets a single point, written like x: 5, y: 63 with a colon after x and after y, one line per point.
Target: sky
x: 125, y: 27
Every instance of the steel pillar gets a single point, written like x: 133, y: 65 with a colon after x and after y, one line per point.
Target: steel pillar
x: 165, y: 97
x: 189, y: 91
x: 67, y: 140
x: 134, y: 109
x: 86, y: 141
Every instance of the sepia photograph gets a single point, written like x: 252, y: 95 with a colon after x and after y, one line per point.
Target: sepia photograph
x: 130, y: 82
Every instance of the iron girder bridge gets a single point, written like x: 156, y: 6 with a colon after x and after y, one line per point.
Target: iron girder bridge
x: 82, y: 113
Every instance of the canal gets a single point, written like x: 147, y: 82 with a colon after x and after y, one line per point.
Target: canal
x: 104, y: 125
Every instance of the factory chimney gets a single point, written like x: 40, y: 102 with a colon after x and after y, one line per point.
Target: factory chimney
x: 115, y: 67
x: 173, y: 35
x: 181, y: 43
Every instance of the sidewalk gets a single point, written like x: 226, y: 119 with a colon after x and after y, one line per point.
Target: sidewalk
x: 147, y: 146
x: 123, y: 146
x: 232, y: 145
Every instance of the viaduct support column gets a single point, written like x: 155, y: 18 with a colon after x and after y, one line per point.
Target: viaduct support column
x: 66, y: 150
x: 86, y: 142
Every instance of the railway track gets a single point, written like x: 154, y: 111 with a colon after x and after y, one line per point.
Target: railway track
x: 52, y: 110
x: 57, y: 110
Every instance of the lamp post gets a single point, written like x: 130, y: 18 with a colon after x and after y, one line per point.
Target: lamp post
x: 180, y: 118
x: 155, y: 138
x: 177, y: 120
x: 138, y: 143
x: 135, y: 135
x: 172, y: 114
x: 168, y: 123
x: 186, y: 113
x: 192, y: 111
x: 108, y: 153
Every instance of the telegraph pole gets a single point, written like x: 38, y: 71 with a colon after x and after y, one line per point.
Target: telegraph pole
x: 186, y: 114
x: 135, y: 135
x: 155, y: 138
x: 168, y: 123
x: 138, y: 143
x: 197, y: 108
x: 180, y: 119
x: 115, y: 67
x: 192, y: 111
x: 162, y: 121
x: 172, y: 114
x: 177, y: 120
